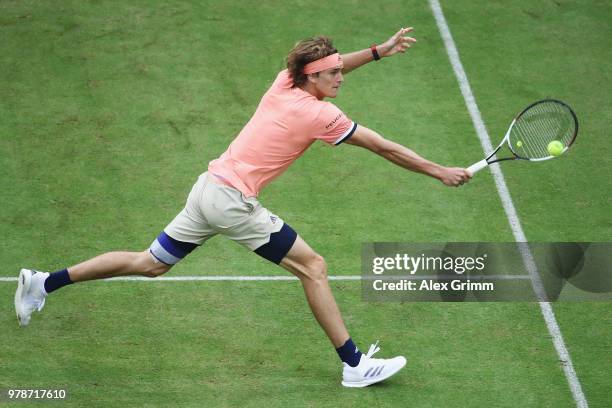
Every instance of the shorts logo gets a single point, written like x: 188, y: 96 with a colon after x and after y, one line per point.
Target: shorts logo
x: 273, y: 219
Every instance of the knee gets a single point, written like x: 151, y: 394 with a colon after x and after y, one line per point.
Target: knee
x: 148, y: 266
x: 316, y: 268
x: 156, y: 270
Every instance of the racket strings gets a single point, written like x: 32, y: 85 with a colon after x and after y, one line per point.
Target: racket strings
x: 536, y: 131
x: 538, y: 126
x: 533, y: 144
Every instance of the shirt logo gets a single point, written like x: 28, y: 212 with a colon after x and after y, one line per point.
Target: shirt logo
x: 273, y: 219
x: 333, y: 122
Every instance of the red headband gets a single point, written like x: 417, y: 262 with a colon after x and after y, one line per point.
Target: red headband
x: 331, y: 61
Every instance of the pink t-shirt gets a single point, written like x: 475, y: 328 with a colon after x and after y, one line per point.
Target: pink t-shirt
x: 287, y: 121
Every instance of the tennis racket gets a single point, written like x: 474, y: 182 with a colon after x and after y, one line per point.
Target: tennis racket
x: 532, y: 130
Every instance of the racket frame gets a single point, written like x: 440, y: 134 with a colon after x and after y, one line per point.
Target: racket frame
x: 506, y: 140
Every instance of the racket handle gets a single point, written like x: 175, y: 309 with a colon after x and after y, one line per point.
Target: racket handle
x: 476, y: 167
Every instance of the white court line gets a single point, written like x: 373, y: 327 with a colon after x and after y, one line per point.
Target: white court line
x: 278, y: 278
x: 513, y: 219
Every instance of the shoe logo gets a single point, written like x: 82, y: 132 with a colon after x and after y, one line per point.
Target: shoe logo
x: 374, y: 371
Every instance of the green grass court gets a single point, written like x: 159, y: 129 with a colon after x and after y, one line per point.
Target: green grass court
x: 110, y: 110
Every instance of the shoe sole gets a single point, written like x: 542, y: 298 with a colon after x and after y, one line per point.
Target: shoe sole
x: 365, y: 383
x: 23, y: 286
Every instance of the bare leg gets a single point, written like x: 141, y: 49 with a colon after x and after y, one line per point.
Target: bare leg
x: 311, y: 269
x: 117, y: 264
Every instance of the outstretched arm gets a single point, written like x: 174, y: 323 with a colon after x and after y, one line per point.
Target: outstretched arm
x: 397, y: 43
x: 406, y: 158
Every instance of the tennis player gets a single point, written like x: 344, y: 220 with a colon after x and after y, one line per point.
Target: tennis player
x: 291, y: 116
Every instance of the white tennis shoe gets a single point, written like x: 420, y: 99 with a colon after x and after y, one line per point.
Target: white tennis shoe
x: 30, y: 294
x: 371, y: 370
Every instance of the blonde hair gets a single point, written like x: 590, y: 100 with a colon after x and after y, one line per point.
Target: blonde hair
x: 305, y: 52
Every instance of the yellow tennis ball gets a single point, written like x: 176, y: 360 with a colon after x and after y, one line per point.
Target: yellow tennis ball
x: 555, y: 148
x: 519, y: 144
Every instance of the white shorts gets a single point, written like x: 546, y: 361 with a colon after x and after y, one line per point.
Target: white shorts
x: 214, y: 208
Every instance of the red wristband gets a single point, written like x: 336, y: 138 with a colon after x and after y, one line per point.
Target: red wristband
x: 374, y: 52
